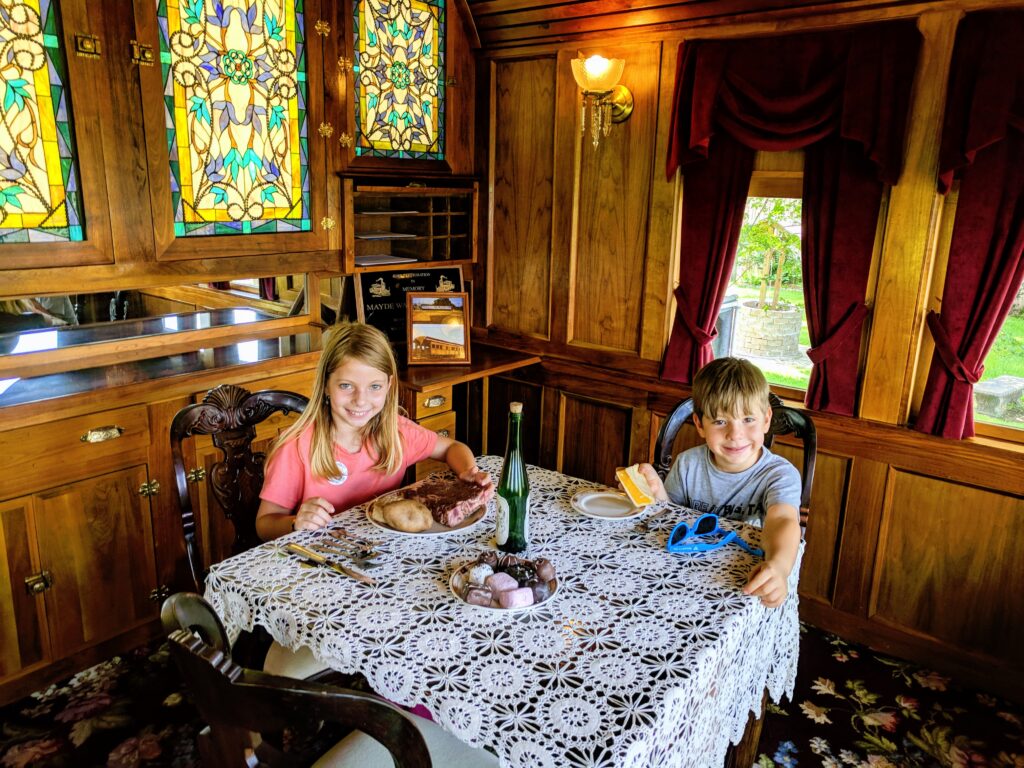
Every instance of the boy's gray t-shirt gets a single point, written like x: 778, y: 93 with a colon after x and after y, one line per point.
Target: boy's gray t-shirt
x: 694, y: 481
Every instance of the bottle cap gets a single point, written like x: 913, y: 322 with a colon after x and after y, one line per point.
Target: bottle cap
x: 515, y: 407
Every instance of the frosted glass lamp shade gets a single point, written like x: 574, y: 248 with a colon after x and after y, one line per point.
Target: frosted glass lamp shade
x: 597, y: 74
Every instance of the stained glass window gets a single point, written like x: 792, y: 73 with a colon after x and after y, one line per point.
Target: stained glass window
x: 235, y: 94
x: 399, y: 78
x: 39, y: 193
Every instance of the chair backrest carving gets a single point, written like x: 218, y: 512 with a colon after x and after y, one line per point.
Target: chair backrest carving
x: 237, y: 703
x: 229, y: 414
x: 785, y: 421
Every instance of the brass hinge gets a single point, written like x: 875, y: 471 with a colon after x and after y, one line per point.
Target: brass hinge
x: 344, y: 63
x: 325, y: 130
x: 345, y: 140
x: 87, y: 45
x: 196, y: 475
x: 327, y: 223
x: 142, y: 54
x: 38, y: 583
x: 160, y: 594
x: 152, y: 488
x: 322, y: 28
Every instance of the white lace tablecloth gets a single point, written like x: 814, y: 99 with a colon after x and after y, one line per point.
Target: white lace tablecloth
x: 642, y: 658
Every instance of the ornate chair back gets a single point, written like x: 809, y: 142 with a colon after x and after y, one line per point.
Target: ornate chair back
x: 240, y: 705
x: 785, y: 421
x: 230, y: 414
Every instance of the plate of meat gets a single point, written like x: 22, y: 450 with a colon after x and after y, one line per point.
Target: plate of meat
x: 431, y: 507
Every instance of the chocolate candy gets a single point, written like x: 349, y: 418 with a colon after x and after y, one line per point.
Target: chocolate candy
x: 516, y: 598
x: 541, y: 591
x: 501, y: 582
x: 545, y: 570
x: 522, y: 572
x: 478, y: 596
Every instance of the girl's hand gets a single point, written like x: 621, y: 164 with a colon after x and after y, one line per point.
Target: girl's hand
x: 314, y: 513
x: 476, y: 476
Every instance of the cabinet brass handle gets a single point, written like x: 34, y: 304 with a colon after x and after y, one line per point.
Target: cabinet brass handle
x: 101, y: 434
x: 442, y: 433
x: 435, y: 402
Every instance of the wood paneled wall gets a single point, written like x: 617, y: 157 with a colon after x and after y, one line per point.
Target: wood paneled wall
x: 911, y: 541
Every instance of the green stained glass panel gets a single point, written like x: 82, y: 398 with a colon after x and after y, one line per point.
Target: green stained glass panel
x: 40, y: 199
x: 235, y: 95
x: 399, y: 78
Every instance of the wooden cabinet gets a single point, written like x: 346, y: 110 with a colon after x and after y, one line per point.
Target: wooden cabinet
x: 435, y: 411
x: 405, y: 223
x: 248, y: 181
x: 77, y: 535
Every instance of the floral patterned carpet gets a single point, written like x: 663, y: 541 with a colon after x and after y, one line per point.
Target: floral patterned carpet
x: 852, y: 708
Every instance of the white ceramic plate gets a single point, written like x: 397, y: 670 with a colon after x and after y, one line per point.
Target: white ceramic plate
x: 436, y: 529
x: 605, y: 505
x: 464, y: 570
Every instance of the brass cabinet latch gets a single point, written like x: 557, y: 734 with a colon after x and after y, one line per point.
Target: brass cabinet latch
x: 152, y: 488
x: 160, y: 594
x: 345, y: 140
x: 38, y: 583
x: 142, y: 54
x: 327, y: 223
x: 102, y: 434
x: 325, y: 130
x: 87, y: 45
x: 196, y: 475
x: 443, y: 433
x: 436, y: 401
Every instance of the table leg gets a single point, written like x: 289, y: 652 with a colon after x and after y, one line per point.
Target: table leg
x: 744, y: 754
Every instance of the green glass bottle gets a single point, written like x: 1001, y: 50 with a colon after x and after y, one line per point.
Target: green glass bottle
x: 513, y: 500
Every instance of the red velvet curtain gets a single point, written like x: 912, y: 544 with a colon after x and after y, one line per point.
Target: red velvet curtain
x: 845, y: 93
x: 983, y: 146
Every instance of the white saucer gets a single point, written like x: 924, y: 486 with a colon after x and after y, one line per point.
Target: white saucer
x: 605, y: 505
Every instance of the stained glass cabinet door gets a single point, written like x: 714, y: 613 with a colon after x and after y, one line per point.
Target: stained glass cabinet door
x: 232, y: 113
x: 53, y: 199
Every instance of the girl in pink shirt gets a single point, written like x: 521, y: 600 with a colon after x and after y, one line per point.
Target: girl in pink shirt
x: 350, y: 444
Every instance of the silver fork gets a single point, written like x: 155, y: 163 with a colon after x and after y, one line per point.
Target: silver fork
x: 362, y: 558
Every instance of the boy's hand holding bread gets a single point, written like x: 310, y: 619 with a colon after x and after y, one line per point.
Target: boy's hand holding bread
x: 641, y: 484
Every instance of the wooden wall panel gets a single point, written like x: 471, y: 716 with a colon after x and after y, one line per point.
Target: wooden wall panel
x: 502, y: 392
x: 524, y: 114
x: 593, y: 438
x: 23, y: 640
x: 951, y: 564
x: 613, y: 196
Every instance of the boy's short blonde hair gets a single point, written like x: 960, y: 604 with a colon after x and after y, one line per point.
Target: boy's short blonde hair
x: 728, y: 386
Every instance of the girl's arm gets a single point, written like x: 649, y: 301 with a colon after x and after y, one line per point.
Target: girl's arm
x: 273, y: 520
x: 461, y: 461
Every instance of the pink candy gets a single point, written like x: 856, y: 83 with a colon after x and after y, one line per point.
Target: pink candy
x: 515, y: 598
x: 501, y: 582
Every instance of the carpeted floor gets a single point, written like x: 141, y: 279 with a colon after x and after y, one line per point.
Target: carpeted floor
x: 851, y: 707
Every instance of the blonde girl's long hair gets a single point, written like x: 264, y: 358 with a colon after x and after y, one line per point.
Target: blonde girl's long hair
x: 350, y: 341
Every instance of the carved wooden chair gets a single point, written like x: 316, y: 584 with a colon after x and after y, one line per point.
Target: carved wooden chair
x: 247, y: 712
x: 230, y: 414
x: 785, y: 421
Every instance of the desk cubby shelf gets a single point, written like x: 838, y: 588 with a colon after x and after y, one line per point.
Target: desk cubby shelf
x: 388, y: 224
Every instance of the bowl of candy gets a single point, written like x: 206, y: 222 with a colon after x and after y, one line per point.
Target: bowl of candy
x: 504, y: 582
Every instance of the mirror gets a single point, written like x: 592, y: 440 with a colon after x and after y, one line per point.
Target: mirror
x: 108, y: 315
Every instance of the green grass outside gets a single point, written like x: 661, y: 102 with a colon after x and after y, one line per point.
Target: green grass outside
x: 1006, y: 358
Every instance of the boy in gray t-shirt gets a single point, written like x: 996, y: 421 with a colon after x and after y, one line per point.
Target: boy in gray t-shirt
x: 734, y: 475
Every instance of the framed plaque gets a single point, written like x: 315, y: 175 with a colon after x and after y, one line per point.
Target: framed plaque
x: 438, y: 327
x: 380, y: 296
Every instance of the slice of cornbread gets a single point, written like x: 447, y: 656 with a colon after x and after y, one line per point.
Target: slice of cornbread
x: 635, y: 486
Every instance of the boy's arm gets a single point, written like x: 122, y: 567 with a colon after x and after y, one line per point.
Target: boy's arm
x: 780, y: 539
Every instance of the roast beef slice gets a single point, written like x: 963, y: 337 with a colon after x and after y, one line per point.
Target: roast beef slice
x: 449, y: 500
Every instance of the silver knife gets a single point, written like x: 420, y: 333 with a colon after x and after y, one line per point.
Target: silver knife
x: 316, y: 557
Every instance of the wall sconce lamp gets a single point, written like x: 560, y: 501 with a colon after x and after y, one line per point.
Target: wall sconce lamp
x: 607, y: 101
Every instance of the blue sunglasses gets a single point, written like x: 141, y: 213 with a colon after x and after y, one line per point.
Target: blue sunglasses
x: 687, y: 538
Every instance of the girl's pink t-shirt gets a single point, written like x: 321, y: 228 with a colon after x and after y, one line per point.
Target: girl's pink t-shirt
x: 289, y: 480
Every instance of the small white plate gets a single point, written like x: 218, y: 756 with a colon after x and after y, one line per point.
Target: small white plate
x: 605, y: 505
x: 436, y: 529
x: 465, y: 569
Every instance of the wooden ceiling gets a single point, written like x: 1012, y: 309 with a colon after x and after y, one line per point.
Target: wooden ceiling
x: 504, y: 24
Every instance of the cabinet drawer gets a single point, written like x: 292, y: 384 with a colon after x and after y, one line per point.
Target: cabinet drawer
x: 443, y: 424
x: 47, y: 455
x: 429, y: 403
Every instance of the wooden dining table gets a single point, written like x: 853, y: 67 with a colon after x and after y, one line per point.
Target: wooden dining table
x: 641, y: 657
